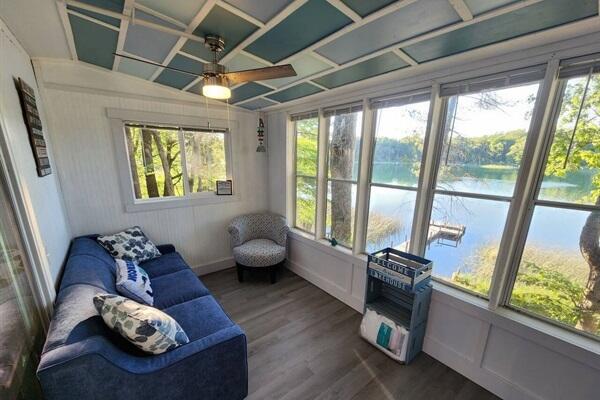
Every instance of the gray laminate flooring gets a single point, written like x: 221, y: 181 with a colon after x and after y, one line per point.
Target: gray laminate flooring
x: 304, y: 344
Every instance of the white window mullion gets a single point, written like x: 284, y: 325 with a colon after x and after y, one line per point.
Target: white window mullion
x: 321, y: 177
x: 433, y: 141
x: 530, y: 176
x: 184, y: 176
x: 364, y: 175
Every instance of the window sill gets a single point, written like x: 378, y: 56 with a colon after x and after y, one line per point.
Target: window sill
x: 188, y: 201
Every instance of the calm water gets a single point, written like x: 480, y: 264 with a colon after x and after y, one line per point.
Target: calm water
x: 483, y: 219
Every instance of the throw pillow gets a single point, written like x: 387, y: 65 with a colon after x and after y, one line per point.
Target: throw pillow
x: 133, y: 282
x: 131, y: 244
x: 146, y: 327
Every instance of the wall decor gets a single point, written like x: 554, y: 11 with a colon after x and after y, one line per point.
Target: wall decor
x: 225, y: 188
x: 260, y: 133
x: 34, y: 128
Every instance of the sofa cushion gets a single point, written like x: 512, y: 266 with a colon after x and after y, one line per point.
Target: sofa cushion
x: 165, y: 264
x: 200, y: 317
x: 130, y: 244
x: 148, y: 328
x: 176, y: 288
x: 259, y: 253
x: 133, y: 282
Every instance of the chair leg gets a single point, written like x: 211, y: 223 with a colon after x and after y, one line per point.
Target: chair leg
x: 273, y: 273
x: 240, y: 273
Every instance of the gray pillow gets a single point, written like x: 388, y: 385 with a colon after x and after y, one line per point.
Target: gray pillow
x: 131, y: 244
x: 146, y: 327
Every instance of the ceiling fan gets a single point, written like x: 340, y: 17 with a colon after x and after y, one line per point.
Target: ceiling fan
x: 216, y: 79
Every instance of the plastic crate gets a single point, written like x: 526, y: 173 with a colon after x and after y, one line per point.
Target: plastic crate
x: 402, y: 270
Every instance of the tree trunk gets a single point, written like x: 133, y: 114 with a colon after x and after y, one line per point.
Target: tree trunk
x: 151, y: 184
x: 132, y: 164
x: 589, y: 244
x: 168, y: 188
x: 340, y: 163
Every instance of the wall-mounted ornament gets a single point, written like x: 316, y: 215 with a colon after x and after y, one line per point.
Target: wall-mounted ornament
x: 34, y: 128
x: 260, y: 134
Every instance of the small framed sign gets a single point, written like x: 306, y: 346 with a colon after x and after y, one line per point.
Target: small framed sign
x: 225, y: 188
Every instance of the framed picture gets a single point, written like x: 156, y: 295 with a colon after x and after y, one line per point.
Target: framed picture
x: 225, y: 188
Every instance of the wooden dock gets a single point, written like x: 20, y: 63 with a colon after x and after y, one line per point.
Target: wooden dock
x: 445, y: 234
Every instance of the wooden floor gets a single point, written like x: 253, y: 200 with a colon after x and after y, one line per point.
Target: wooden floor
x: 304, y: 344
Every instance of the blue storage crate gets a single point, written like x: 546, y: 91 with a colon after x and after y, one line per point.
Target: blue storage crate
x: 402, y: 270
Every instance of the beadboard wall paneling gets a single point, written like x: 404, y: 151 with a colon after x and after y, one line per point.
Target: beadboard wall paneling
x: 85, y: 155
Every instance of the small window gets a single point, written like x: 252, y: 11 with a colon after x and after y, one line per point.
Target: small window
x: 173, y: 162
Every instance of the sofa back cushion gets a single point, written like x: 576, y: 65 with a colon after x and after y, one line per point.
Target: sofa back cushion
x: 89, y: 264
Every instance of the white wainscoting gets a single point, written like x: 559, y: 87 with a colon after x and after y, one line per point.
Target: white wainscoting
x: 77, y: 98
x: 494, y: 349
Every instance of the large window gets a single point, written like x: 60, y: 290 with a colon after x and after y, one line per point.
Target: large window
x: 160, y: 169
x: 400, y: 129
x: 559, y: 271
x: 306, y: 129
x: 344, y: 129
x: 483, y: 141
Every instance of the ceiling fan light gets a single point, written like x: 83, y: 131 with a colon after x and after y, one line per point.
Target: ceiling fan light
x: 215, y: 89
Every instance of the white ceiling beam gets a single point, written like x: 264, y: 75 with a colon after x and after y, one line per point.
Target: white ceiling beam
x: 193, y: 57
x: 159, y: 15
x: 127, y: 11
x: 288, y: 10
x: 198, y: 18
x: 259, y: 60
x: 343, y: 8
x: 450, y: 28
x: 324, y: 59
x: 462, y: 9
x: 405, y: 57
x: 318, y: 85
x: 94, y: 20
x: 66, y: 24
x: 236, y: 11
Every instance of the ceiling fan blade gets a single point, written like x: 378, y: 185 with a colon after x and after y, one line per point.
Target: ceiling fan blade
x: 261, y: 74
x: 159, y: 65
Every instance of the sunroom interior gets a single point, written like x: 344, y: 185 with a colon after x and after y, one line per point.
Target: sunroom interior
x: 299, y: 199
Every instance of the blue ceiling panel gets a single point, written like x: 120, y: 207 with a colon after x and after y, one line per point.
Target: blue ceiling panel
x: 177, y: 79
x: 95, y: 44
x: 305, y: 26
x: 246, y: 91
x: 196, y: 89
x: 295, y: 92
x: 407, y: 22
x: 136, y: 68
x: 242, y: 62
x: 367, y: 69
x: 364, y: 8
x: 181, y: 10
x: 220, y: 22
x: 110, y: 5
x: 257, y: 104
x: 481, y: 6
x: 261, y: 10
x: 149, y: 43
x: 537, y: 17
x: 304, y: 65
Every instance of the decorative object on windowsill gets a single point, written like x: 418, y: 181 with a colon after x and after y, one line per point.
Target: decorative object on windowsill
x: 397, y: 298
x: 225, y: 188
x: 332, y: 241
x: 260, y: 133
x: 34, y: 128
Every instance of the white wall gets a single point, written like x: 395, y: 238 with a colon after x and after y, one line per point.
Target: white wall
x: 78, y: 97
x: 513, y: 356
x: 40, y: 198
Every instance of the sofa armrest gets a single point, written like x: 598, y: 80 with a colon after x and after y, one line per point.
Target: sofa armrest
x: 166, y: 248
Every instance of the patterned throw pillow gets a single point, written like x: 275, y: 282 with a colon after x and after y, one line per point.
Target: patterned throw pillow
x: 146, y: 327
x: 133, y: 282
x: 131, y: 244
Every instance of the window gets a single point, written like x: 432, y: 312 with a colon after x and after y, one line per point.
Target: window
x: 306, y: 129
x: 559, y: 271
x: 344, y: 129
x: 398, y: 149
x: 160, y: 169
x: 483, y: 141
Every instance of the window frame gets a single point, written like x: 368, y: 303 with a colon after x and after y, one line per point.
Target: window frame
x: 118, y: 121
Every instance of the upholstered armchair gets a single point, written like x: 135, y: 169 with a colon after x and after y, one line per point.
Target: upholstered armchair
x: 258, y: 241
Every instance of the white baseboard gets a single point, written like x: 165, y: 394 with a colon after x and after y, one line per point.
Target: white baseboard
x: 214, y: 266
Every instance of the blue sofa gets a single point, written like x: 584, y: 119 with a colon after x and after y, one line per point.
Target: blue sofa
x: 84, y: 359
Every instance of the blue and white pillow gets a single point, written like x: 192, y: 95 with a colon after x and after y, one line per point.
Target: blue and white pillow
x: 146, y: 327
x: 131, y: 244
x: 133, y: 282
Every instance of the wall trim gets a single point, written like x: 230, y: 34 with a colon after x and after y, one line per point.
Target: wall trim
x: 214, y: 266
